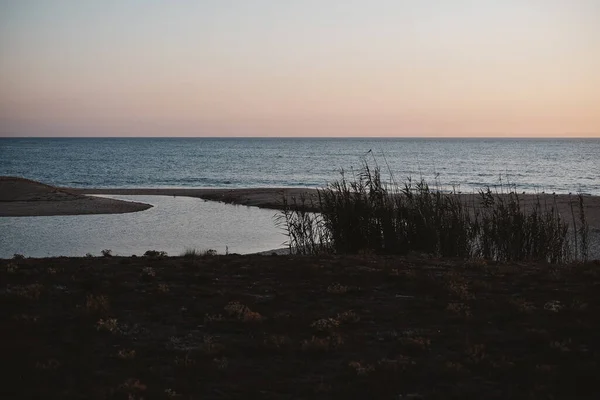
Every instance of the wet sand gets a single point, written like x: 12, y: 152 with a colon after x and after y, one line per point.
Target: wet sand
x: 25, y: 198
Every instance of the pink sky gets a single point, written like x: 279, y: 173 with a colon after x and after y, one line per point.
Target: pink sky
x: 307, y: 68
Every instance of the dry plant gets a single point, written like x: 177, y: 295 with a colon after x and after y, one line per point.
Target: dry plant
x: 209, y: 346
x: 553, y: 305
x: 186, y: 361
x: 50, y: 364
x: 163, y: 288
x: 126, y: 354
x: 459, y: 309
x: 242, y: 312
x: 361, y: 369
x: 476, y: 353
x: 337, y: 288
x: 171, y: 394
x: 11, y: 268
x: 455, y: 366
x: 110, y: 324
x: 32, y: 291
x: 277, y: 341
x: 213, y: 318
x: 325, y: 324
x: 348, y: 317
x: 522, y: 305
x: 459, y: 288
x: 318, y: 344
x: 97, y: 303
x: 562, y: 345
x: 26, y: 318
x: 417, y: 343
x: 133, y: 385
x: 221, y: 362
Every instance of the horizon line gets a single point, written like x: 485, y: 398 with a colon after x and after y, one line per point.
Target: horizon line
x: 300, y: 137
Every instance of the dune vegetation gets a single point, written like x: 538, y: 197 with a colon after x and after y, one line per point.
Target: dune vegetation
x: 364, y: 213
x: 329, y: 326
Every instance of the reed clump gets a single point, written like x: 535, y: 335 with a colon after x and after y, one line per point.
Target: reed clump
x: 366, y: 214
x: 305, y: 229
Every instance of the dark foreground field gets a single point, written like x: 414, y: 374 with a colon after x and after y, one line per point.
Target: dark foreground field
x: 294, y: 327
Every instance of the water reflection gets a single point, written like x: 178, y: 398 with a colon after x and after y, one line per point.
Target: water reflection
x: 172, y: 225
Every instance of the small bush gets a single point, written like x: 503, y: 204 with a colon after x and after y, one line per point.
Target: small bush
x: 155, y: 254
x: 195, y: 253
x: 191, y: 253
x: 106, y: 253
x: 209, y: 253
x: 97, y: 303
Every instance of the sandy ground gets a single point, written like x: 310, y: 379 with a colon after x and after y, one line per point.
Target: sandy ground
x: 260, y: 197
x: 22, y: 197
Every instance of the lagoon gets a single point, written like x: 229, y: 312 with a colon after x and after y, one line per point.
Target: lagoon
x: 173, y: 224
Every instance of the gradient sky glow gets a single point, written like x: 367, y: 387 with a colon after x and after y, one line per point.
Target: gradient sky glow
x: 300, y: 68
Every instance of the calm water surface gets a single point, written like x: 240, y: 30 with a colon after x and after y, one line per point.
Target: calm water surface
x: 551, y: 165
x: 172, y: 225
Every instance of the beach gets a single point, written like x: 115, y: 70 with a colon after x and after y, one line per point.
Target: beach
x: 24, y: 197
x: 271, y: 198
x: 21, y: 197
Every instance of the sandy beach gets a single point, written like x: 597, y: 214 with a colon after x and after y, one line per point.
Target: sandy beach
x: 25, y: 198
x: 257, y: 197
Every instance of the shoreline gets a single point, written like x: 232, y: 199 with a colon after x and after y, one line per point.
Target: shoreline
x: 20, y: 197
x: 23, y: 197
x: 271, y: 198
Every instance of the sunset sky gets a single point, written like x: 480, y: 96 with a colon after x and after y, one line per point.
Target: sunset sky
x: 300, y: 68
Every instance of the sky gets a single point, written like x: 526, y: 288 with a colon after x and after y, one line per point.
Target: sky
x: 511, y: 68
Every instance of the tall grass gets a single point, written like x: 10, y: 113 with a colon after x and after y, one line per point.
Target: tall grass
x: 508, y: 232
x: 365, y: 214
x: 304, y: 227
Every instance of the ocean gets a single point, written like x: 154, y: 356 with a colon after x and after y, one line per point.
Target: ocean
x: 530, y: 165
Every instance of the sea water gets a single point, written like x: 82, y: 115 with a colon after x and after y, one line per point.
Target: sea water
x: 531, y: 165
